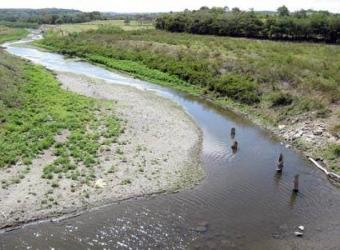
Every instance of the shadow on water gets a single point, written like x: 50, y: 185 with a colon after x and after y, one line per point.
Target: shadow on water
x: 241, y: 204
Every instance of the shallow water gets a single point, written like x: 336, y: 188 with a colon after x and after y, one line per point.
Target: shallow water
x: 244, y: 202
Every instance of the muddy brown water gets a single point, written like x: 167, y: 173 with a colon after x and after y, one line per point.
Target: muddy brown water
x: 241, y: 203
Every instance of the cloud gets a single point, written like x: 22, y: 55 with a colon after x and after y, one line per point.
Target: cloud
x: 170, y: 5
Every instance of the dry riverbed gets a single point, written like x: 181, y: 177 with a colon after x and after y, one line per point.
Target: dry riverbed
x: 158, y: 152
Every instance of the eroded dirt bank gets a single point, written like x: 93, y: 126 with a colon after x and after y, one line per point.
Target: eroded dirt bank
x: 158, y: 152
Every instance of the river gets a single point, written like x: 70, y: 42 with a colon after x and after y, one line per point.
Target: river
x: 241, y: 203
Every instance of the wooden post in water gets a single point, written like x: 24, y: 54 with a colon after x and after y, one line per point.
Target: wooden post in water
x: 280, y: 164
x: 233, y: 133
x: 296, y: 184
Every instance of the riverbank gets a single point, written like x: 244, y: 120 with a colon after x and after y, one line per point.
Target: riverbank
x: 276, y: 90
x: 116, y: 143
x: 308, y: 126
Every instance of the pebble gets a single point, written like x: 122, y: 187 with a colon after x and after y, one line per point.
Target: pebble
x: 201, y: 227
x: 298, y: 234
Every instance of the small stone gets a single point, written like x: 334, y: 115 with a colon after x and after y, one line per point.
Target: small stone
x: 298, y: 234
x: 100, y: 183
x: 317, y: 132
x: 201, y: 229
x: 282, y: 127
x: 302, y: 228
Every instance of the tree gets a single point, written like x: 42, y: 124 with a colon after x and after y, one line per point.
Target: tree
x: 301, y: 13
x: 319, y: 26
x: 235, y: 10
x: 283, y: 11
x: 127, y: 21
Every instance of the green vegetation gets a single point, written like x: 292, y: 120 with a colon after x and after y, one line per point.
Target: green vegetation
x: 275, y: 82
x: 20, y: 17
x: 94, y: 25
x: 303, y: 25
x: 332, y: 154
x: 285, y: 78
x: 19, y: 25
x: 10, y: 34
x: 34, y: 110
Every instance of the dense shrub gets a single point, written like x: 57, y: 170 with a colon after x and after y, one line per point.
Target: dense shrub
x: 238, y: 88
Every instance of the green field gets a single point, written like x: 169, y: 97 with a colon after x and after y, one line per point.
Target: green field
x: 288, y: 76
x: 10, y: 34
x: 94, y: 25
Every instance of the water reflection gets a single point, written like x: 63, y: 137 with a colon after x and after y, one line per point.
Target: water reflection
x: 293, y: 198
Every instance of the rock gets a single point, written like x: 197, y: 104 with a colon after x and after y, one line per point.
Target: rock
x: 302, y: 228
x: 100, y: 183
x: 298, y: 234
x: 275, y: 236
x: 201, y: 227
x: 317, y: 132
x: 281, y: 127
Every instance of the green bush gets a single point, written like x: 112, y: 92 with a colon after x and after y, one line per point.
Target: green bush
x: 238, y: 88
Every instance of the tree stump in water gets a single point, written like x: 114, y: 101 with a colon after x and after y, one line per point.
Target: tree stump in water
x: 296, y: 183
x: 280, y: 164
x: 234, y: 147
x: 233, y: 133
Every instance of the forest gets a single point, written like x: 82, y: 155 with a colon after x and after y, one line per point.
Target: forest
x: 303, y: 25
x: 29, y: 17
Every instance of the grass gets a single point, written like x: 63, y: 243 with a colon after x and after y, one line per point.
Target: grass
x: 94, y: 25
x: 34, y: 109
x: 332, y: 154
x: 10, y: 34
x: 239, y: 69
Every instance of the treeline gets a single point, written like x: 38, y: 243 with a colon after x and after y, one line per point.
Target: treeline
x: 47, y: 16
x: 303, y: 25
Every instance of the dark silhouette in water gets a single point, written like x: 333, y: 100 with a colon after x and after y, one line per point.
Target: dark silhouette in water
x: 234, y: 147
x: 233, y: 133
x: 296, y: 184
x: 280, y: 164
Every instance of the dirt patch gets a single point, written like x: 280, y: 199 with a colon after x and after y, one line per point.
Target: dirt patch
x: 158, y: 152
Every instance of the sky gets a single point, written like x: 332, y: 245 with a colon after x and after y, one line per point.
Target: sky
x: 170, y: 5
